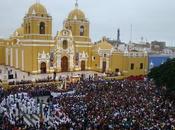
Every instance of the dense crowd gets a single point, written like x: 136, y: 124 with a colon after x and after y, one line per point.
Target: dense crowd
x: 125, y: 104
x: 35, y: 88
x: 22, y: 82
x: 2, y: 93
x: 20, y: 107
x: 114, y: 104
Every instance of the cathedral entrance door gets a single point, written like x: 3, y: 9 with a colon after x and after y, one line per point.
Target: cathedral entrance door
x: 83, y: 64
x: 64, y: 64
x: 104, y: 67
x: 43, y: 68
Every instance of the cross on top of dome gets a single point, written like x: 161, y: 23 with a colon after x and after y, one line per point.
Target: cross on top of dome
x: 76, y: 4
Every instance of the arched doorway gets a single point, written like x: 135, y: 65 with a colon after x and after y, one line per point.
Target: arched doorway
x: 64, y: 64
x: 104, y: 67
x: 43, y: 68
x: 83, y: 65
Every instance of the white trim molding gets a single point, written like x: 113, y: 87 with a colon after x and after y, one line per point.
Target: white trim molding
x: 38, y: 45
x: 7, y: 56
x: 16, y: 58
x: 11, y: 56
x: 22, y: 59
x: 83, y: 46
x: 43, y: 57
x: 42, y: 41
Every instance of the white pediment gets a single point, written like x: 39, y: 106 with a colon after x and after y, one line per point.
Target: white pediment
x: 75, y: 17
x: 16, y: 33
x: 33, y: 12
x: 43, y: 56
x: 83, y: 56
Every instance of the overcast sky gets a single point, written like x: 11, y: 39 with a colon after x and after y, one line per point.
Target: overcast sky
x: 151, y: 19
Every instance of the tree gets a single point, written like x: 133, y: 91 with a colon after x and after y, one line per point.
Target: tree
x: 164, y: 75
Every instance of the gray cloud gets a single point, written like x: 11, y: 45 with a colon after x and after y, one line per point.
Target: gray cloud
x: 152, y: 19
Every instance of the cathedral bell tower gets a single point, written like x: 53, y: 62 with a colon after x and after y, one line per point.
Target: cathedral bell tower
x: 37, y: 23
x: 78, y: 24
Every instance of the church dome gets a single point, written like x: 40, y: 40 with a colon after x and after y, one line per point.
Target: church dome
x: 76, y: 14
x: 19, y: 32
x: 37, y: 8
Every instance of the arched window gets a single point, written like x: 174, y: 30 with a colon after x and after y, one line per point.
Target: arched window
x: 141, y: 65
x: 29, y: 28
x: 70, y: 28
x: 82, y: 31
x: 42, y: 28
x: 26, y: 29
x: 65, y: 44
x: 132, y: 66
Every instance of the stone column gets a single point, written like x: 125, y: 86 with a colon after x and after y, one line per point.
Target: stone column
x: 86, y: 64
x: 7, y: 56
x: 101, y: 62
x: 58, y: 62
x: 47, y: 66
x: 16, y: 58
x: 22, y: 59
x: 11, y: 56
x: 107, y: 64
x: 71, y: 65
x: 39, y: 63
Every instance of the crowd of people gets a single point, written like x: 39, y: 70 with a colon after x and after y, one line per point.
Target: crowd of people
x: 110, y: 105
x: 24, y: 111
x: 22, y: 82
x: 2, y: 92
x: 38, y: 88
x: 124, y: 104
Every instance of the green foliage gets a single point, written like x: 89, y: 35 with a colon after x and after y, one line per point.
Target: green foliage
x: 164, y: 75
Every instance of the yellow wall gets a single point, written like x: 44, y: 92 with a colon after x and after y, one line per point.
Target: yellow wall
x: 35, y: 51
x: 87, y: 50
x: 19, y: 58
x: 2, y: 54
x: 117, y: 62
x: 75, y: 28
x: 95, y: 64
x: 35, y: 28
x: 136, y: 61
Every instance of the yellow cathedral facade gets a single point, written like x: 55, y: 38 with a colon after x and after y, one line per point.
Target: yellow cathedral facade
x: 32, y: 47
